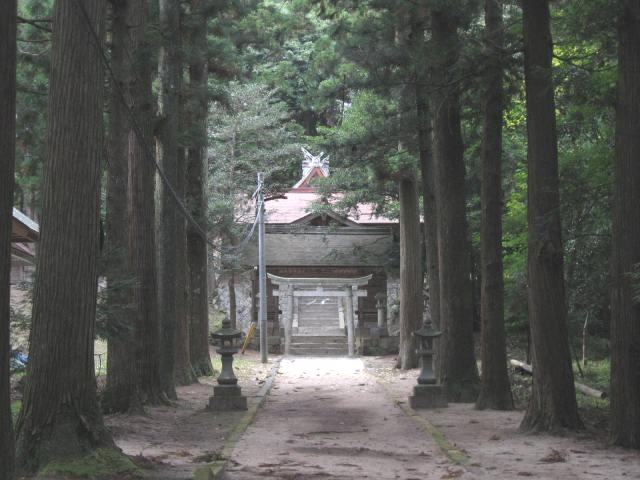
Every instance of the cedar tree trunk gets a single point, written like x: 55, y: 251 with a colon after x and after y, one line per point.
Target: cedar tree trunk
x: 142, y: 237
x: 553, y: 401
x: 122, y: 378
x: 495, y: 391
x: 60, y: 414
x: 168, y: 216
x: 7, y: 167
x: 410, y: 272
x: 183, y: 373
x: 197, y: 199
x: 625, y: 308
x: 458, y: 368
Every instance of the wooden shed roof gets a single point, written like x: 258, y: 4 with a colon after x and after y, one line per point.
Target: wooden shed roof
x: 23, y: 228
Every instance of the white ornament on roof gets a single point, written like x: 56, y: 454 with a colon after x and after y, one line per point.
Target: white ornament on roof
x: 312, y: 161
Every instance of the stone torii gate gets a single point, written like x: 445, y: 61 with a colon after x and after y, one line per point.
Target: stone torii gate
x: 345, y: 288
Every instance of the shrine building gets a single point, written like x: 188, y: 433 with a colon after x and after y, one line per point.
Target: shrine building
x: 332, y: 280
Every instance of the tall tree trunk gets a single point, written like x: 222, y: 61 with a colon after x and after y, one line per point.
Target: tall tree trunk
x: 142, y: 236
x: 427, y: 167
x: 119, y: 395
x: 183, y: 372
x: 410, y: 272
x: 61, y: 415
x: 429, y: 204
x: 553, y: 400
x: 625, y: 308
x: 458, y: 370
x: 233, y: 312
x: 495, y: 391
x: 196, y: 197
x: 7, y: 168
x: 168, y: 217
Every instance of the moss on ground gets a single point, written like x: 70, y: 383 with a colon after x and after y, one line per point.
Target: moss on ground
x: 104, y: 463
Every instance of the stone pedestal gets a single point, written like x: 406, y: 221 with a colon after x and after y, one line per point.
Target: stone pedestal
x: 428, y: 396
x: 226, y: 398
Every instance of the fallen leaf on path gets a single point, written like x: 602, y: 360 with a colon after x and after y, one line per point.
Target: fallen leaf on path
x: 553, y: 457
x: 452, y: 473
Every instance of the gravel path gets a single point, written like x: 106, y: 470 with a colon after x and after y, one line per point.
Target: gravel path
x: 328, y: 418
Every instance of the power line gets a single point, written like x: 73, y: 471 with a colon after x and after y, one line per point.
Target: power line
x: 142, y: 139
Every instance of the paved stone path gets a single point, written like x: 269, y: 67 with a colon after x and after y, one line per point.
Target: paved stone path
x: 327, y: 418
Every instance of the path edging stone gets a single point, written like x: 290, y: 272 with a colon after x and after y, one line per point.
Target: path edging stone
x: 213, y: 470
x: 454, y: 454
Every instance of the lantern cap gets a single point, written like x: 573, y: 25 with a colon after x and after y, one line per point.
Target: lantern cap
x: 427, y: 331
x: 226, y: 332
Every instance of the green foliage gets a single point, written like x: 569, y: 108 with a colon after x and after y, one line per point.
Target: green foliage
x: 15, y: 410
x: 250, y: 132
x: 34, y: 44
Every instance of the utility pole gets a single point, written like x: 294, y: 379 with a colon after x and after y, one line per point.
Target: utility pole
x: 262, y: 273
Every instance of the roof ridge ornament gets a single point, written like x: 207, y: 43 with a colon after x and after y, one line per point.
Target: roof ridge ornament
x: 312, y: 161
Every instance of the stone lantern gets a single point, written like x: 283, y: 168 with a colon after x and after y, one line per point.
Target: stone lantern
x: 428, y: 393
x: 381, y: 307
x: 227, y: 395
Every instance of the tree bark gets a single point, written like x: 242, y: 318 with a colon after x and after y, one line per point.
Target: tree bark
x: 495, y: 391
x: 122, y: 378
x: 553, y: 400
x: 625, y: 308
x: 168, y: 217
x: 458, y: 370
x: 183, y: 373
x: 61, y: 415
x: 142, y: 236
x: 410, y: 272
x: 7, y: 168
x: 197, y: 200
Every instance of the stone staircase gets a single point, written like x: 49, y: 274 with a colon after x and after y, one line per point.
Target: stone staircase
x: 318, y: 316
x: 318, y: 331
x: 314, y: 346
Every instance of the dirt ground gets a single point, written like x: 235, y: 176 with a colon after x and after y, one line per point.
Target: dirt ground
x: 173, y: 441
x: 327, y: 418
x: 339, y: 419
x: 496, y: 448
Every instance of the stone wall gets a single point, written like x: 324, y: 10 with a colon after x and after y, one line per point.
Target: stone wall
x: 243, y: 298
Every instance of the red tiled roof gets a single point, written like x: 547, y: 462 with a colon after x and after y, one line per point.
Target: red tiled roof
x: 297, y: 205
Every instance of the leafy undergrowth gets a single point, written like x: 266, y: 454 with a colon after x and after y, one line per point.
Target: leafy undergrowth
x: 15, y: 410
x: 594, y: 411
x: 103, y: 464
